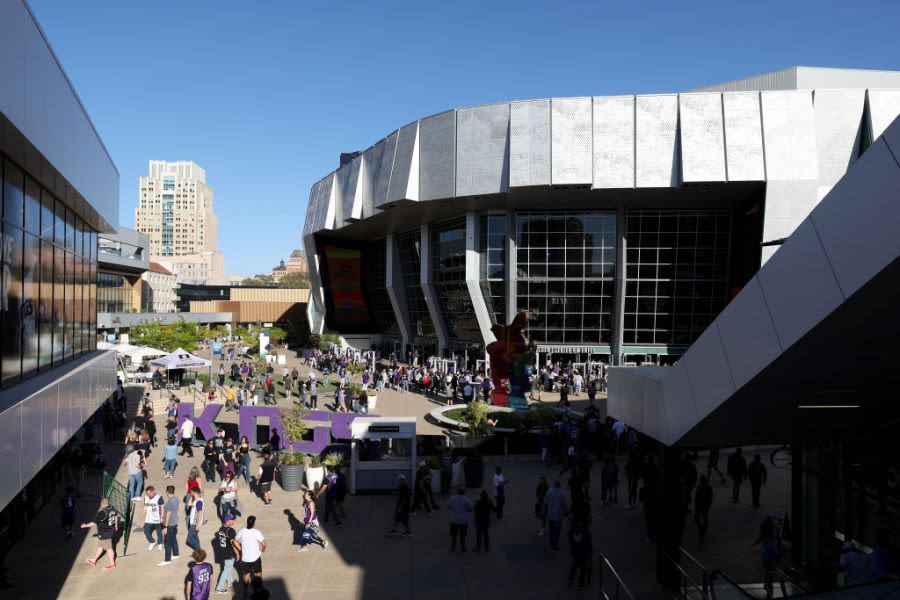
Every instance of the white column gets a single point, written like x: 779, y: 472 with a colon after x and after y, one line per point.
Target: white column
x: 473, y: 277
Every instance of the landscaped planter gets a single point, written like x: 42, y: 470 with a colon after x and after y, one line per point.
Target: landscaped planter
x: 314, y: 477
x: 291, y: 477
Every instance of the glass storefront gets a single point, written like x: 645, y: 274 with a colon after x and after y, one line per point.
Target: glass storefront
x: 48, y: 299
x: 114, y: 295
x: 376, y: 289
x: 492, y: 246
x: 565, y: 266
x: 448, y: 251
x: 409, y: 247
x: 676, y: 279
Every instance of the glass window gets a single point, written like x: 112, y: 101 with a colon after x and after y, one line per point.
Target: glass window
x: 31, y: 285
x: 45, y: 307
x: 70, y: 230
x: 47, y: 220
x: 70, y: 306
x: 13, y: 194
x: 59, y: 304
x: 59, y: 224
x: 12, y: 311
x: 32, y: 206
x: 408, y: 244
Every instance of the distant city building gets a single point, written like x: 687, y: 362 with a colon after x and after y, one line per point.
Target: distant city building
x: 245, y: 304
x: 295, y: 264
x: 176, y: 210
x: 236, y: 279
x: 159, y: 289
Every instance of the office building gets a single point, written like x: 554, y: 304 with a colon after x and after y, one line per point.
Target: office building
x: 176, y: 209
x: 159, y: 290
x: 296, y: 263
x: 122, y: 259
x: 60, y: 192
x: 623, y: 225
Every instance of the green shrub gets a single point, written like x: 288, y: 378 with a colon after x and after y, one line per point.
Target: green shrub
x: 334, y: 460
x: 291, y: 457
x: 315, y: 461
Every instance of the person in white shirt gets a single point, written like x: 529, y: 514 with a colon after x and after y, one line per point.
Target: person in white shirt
x: 228, y: 488
x: 251, y: 544
x: 500, y: 482
x: 187, y: 437
x: 153, y: 509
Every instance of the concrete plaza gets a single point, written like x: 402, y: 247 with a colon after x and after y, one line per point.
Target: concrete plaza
x: 362, y: 563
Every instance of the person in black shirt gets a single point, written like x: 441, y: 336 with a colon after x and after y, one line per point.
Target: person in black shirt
x: 702, y: 504
x: 401, y: 508
x: 483, y: 509
x: 265, y: 478
x: 210, y: 460
x: 107, y: 522
x: 224, y: 548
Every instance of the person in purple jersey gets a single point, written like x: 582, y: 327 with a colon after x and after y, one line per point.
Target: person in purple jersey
x: 197, y: 584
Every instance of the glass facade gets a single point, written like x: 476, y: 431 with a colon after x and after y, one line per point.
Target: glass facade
x: 565, y: 267
x: 492, y: 245
x: 48, y: 300
x: 409, y: 247
x: 168, y: 215
x: 448, y: 253
x: 114, y: 295
x: 376, y: 288
x: 676, y: 279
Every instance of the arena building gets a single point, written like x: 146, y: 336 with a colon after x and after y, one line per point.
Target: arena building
x: 622, y: 224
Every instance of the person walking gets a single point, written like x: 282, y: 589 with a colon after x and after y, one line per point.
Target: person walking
x: 633, y: 475
x: 250, y: 544
x: 688, y: 480
x: 195, y: 519
x: 210, y: 460
x: 225, y: 551
x: 647, y: 497
x: 243, y: 460
x: 135, y: 462
x: 482, y: 513
x: 107, y: 522
x: 68, y: 506
x: 460, y: 507
x: 153, y: 511
x: 500, y: 482
x: 556, y: 505
x: 420, y: 495
x: 737, y: 470
x: 757, y: 474
x: 401, y: 507
x: 265, y: 477
x: 702, y: 503
x: 581, y: 546
x: 769, y: 551
x: 712, y: 464
x: 198, y: 582
x: 228, y: 490
x: 310, y: 533
x: 540, y: 510
x: 186, y: 432
x: 170, y: 527
x: 329, y: 490
x: 170, y: 458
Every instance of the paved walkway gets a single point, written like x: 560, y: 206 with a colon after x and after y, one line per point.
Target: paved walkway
x: 362, y: 563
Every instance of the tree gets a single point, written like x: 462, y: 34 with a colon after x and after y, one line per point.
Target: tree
x: 260, y: 280
x: 294, y: 281
x: 169, y: 337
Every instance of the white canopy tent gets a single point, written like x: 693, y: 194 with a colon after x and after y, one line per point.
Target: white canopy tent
x: 139, y: 354
x: 180, y: 359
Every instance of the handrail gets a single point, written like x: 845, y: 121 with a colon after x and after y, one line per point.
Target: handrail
x: 621, y: 588
x: 782, y: 579
x: 715, y: 575
x: 687, y: 581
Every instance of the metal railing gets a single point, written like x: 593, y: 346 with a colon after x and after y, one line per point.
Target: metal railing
x: 722, y: 587
x: 619, y: 589
x: 696, y: 586
x: 789, y: 585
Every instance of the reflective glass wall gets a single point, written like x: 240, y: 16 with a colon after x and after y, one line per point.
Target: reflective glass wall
x: 114, y: 293
x: 676, y: 279
x: 409, y: 247
x: 448, y: 252
x: 565, y: 268
x: 376, y: 288
x: 492, y: 245
x: 48, y: 257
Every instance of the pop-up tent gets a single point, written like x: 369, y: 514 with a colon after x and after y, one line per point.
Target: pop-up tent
x: 180, y: 359
x: 139, y: 354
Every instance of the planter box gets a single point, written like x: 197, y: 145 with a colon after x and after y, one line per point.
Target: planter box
x: 291, y: 477
x: 314, y: 477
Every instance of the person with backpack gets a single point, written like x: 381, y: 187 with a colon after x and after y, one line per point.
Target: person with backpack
x: 757, y: 474
x: 329, y: 490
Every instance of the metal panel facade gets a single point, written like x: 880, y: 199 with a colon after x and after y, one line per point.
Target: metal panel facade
x: 789, y: 135
x: 613, y: 142
x: 884, y: 106
x: 571, y: 141
x: 404, y: 183
x: 838, y: 116
x: 482, y: 150
x: 743, y: 137
x: 383, y: 177
x: 437, y: 156
x: 369, y: 177
x: 349, y: 191
x: 529, y: 143
x: 702, y: 138
x: 656, y: 140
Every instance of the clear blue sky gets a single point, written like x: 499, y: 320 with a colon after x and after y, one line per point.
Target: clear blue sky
x: 265, y: 95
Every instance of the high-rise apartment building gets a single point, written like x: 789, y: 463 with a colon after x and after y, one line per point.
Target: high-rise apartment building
x: 176, y: 211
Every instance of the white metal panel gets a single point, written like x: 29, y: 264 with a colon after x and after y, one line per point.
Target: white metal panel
x: 654, y: 413
x: 437, y: 156
x: 838, y: 116
x: 482, y: 150
x: 799, y: 285
x: 702, y: 137
x: 10, y: 454
x: 571, y: 141
x: 405, y: 175
x: 529, y: 143
x: 613, y: 153
x: 858, y: 222
x: 884, y: 106
x: 311, y: 206
x: 748, y: 334
x: 708, y: 371
x: 349, y: 190
x: 656, y: 127
x: 678, y: 399
x: 383, y: 176
x: 787, y: 204
x: 743, y: 137
x: 369, y: 177
x: 789, y: 135
x: 13, y: 32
